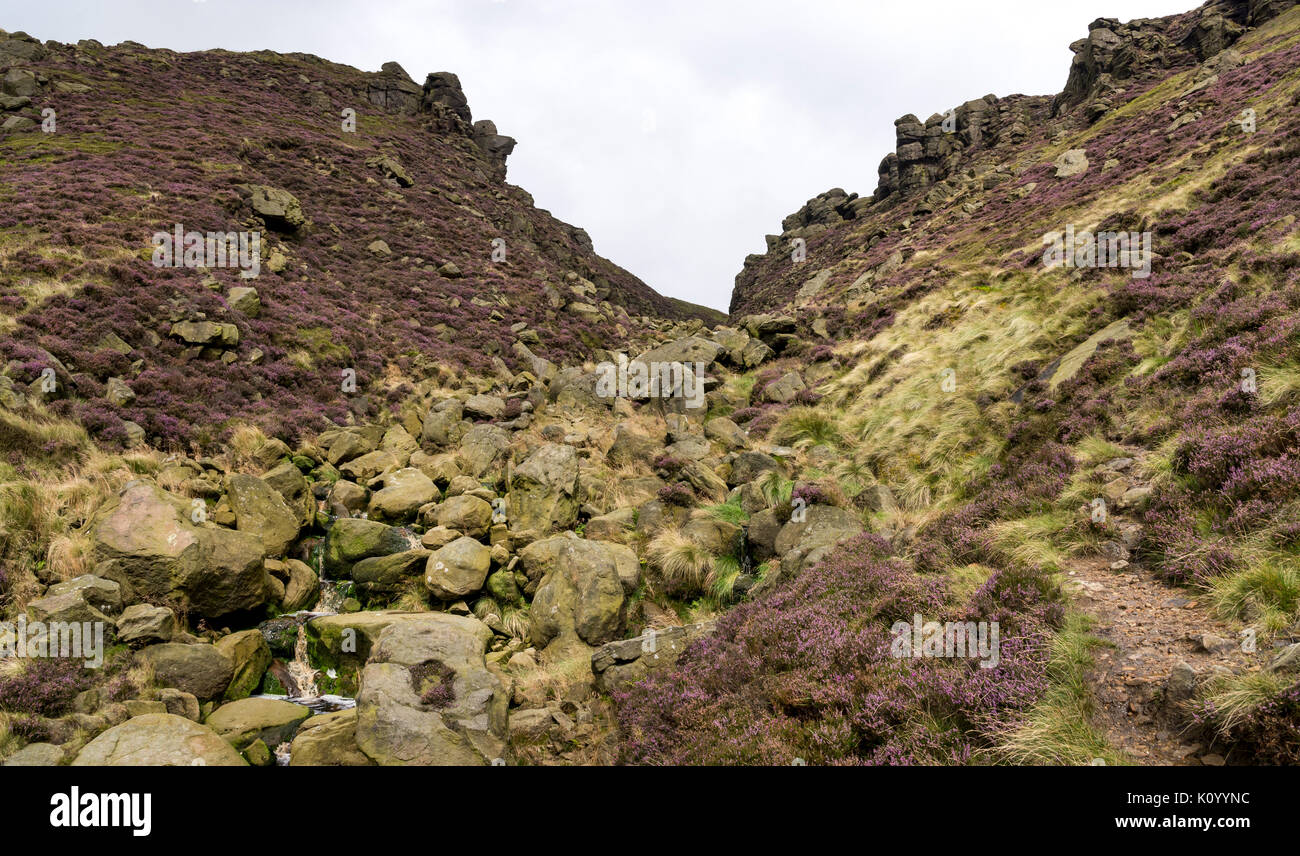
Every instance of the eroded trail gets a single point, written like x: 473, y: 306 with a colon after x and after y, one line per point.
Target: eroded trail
x: 1152, y: 627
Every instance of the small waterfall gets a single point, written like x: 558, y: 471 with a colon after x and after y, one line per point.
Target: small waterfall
x: 298, y: 676
x: 300, y: 671
x: 742, y: 550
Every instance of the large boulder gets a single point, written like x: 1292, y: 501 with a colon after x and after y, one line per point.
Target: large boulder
x: 763, y: 528
x: 352, y: 539
x: 201, y: 670
x: 482, y: 450
x: 399, y: 443
x: 543, y: 493
x: 69, y: 608
x: 328, y: 740
x: 747, y: 466
x: 348, y: 446
x: 208, y: 333
x: 279, y: 208
x: 340, y: 644
x: 249, y: 656
x: 444, y: 426
x: 387, y: 574
x: 458, y: 569
x: 272, y: 721
x: 98, y: 592
x: 688, y: 351
x: 288, y: 481
x: 726, y: 432
x: 465, y: 513
x: 485, y: 407
x: 784, y: 389
x: 820, y: 525
x: 427, y: 697
x: 302, y: 588
x: 369, y: 466
x: 158, y: 740
x: 145, y: 541
x: 261, y: 511
x: 631, y: 446
x: 37, y: 755
x: 732, y: 342
x: 580, y: 591
x: 402, y: 494
x: 145, y: 623
x: 618, y: 665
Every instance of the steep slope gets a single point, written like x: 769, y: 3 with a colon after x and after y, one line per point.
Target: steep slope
x: 390, y: 244
x: 1036, y: 422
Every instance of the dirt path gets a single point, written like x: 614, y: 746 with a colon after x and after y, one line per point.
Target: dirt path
x: 1153, y: 627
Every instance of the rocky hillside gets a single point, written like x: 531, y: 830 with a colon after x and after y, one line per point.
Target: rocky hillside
x: 499, y: 550
x: 1101, y: 452
x: 390, y: 244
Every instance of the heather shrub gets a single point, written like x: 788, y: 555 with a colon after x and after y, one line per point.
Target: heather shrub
x: 45, y: 686
x: 685, y: 566
x: 821, y: 354
x: 433, y: 680
x: 807, y: 673
x: 679, y: 494
x: 667, y: 465
x: 1258, y: 714
x: 819, y: 493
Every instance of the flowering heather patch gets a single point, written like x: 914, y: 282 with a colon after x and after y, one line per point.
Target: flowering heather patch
x: 1270, y: 733
x: 745, y: 414
x: 434, y: 680
x: 808, y: 674
x: 45, y: 687
x: 816, y: 493
x: 679, y: 493
x: 765, y: 421
x: 667, y: 464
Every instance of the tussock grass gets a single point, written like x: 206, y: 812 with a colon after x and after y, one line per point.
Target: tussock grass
x: 1033, y: 540
x: 1278, y: 383
x: 1235, y: 697
x: 681, y: 561
x: 557, y: 678
x: 1058, y: 730
x: 928, y: 440
x: 722, y: 578
x: 775, y: 488
x: 730, y: 511
x: 244, y: 441
x: 1266, y: 594
x: 1095, y: 450
x: 804, y: 427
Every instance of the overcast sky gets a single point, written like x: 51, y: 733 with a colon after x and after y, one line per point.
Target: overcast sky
x: 676, y: 132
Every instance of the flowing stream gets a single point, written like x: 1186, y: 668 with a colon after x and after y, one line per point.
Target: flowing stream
x: 298, y: 675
